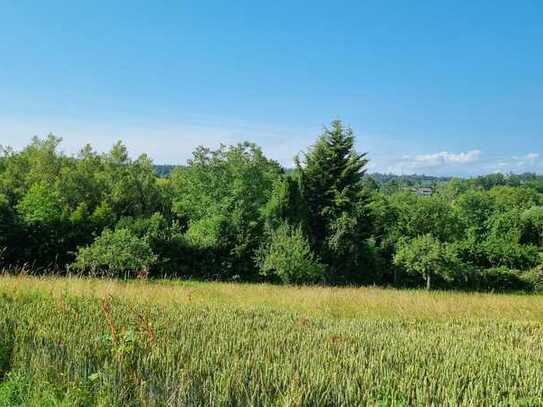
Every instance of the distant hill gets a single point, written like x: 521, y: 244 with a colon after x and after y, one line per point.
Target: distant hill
x: 413, y: 179
x: 164, y: 170
x: 417, y: 180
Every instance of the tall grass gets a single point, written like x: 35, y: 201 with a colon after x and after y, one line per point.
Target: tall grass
x: 97, y: 342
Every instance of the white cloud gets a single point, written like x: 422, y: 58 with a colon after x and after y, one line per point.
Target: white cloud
x: 468, y: 163
x: 444, y: 157
x: 527, y: 157
x: 528, y: 162
x: 442, y: 162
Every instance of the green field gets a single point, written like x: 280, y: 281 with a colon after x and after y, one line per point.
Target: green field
x: 101, y: 342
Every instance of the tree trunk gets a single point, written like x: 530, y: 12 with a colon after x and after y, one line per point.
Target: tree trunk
x: 428, y: 284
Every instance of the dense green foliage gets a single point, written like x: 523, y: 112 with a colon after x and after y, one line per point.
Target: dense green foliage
x: 229, y: 213
x: 288, y: 257
x: 116, y: 253
x: 98, y: 343
x: 427, y: 257
x: 219, y: 198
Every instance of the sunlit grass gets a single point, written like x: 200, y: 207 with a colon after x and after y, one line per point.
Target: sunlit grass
x: 87, y: 341
x: 339, y: 302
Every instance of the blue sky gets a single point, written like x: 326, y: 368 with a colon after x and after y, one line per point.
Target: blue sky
x: 435, y: 87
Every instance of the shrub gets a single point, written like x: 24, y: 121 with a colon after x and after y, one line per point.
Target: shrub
x: 288, y: 257
x: 532, y: 222
x: 496, y: 251
x: 116, y: 253
x: 502, y: 252
x: 6, y: 226
x: 503, y: 279
x: 534, y: 278
x: 165, y: 239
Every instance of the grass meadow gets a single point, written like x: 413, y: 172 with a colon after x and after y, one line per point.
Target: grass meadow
x: 74, y: 341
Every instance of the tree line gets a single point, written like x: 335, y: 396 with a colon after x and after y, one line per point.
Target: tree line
x: 234, y: 214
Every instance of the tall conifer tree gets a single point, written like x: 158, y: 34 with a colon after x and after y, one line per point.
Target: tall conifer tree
x: 332, y: 188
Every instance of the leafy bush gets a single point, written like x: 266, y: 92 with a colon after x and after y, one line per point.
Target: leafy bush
x: 534, y: 278
x: 165, y: 239
x: 503, y: 279
x: 5, y: 225
x: 532, y: 221
x: 502, y: 252
x: 289, y: 258
x: 116, y: 253
x: 496, y: 251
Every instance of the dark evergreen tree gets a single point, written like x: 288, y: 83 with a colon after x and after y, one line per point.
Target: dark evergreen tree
x: 286, y: 204
x: 337, y: 216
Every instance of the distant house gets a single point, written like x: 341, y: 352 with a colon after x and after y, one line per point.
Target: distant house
x: 423, y: 191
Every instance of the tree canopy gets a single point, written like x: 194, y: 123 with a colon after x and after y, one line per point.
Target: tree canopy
x: 232, y: 213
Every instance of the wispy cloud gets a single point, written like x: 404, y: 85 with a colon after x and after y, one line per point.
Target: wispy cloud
x: 443, y: 162
x: 445, y: 157
x: 530, y: 157
x: 531, y: 162
x: 468, y: 163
